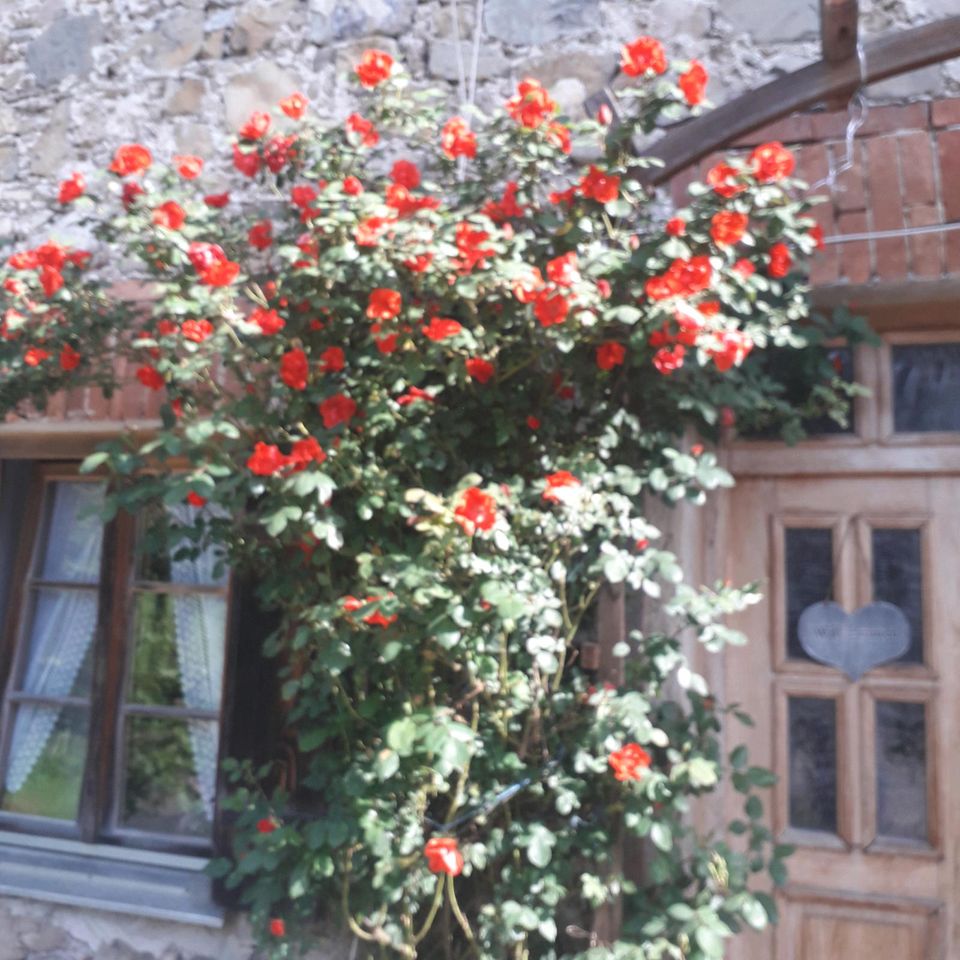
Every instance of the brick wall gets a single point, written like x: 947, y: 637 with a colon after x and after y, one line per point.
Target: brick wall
x: 906, y: 173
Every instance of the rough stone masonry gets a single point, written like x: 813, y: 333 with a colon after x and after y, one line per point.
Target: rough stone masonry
x: 80, y: 76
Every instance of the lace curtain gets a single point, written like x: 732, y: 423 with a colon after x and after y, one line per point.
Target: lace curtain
x: 63, y: 621
x: 200, y: 622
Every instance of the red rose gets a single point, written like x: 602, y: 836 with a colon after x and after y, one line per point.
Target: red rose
x: 816, y: 235
x: 780, y: 260
x: 599, y: 185
x: 51, y: 280
x: 269, y: 321
x: 362, y: 130
x: 682, y: 279
x: 728, y: 228
x: 266, y: 460
x: 383, y: 304
x: 216, y: 199
x: 294, y: 106
x: 559, y: 136
x: 374, y: 67
x: 668, y: 359
x: 197, y: 330
x: 418, y: 263
x: 69, y: 358
x: 629, y: 761
x: 693, y: 83
x: 332, y: 360
x: 733, y: 349
x: 557, y: 482
x: 150, y: 377
x: 443, y: 856
x: 188, y: 165
x: 303, y: 453
x: 303, y: 195
x: 563, y: 270
x: 170, y: 215
x: 676, y: 226
x: 278, y: 928
x: 367, y: 232
x: 406, y: 174
x: 256, y: 126
x: 470, y: 247
x: 352, y: 187
x: 479, y: 369
x: 278, y: 152
x: 475, y: 510
x: 221, y: 274
x: 195, y: 500
x: 412, y: 395
x: 386, y: 345
x: 744, y: 268
x: 35, y: 356
x: 526, y: 289
x: 294, y: 369
x: 610, y: 355
x: 533, y: 422
x: 439, y: 328
x: 723, y: 179
x: 531, y: 104
x: 771, y: 161
x: 130, y: 158
x: 72, y: 187
x: 645, y: 53
x: 551, y: 307
x: 266, y: 825
x: 131, y: 191
x: 247, y: 162
x: 337, y: 409
x: 260, y: 235
x: 506, y: 207
x: 457, y: 140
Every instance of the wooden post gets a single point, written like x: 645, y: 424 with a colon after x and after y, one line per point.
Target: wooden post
x: 839, y: 20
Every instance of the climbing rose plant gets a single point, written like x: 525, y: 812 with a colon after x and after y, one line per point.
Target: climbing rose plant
x: 418, y: 374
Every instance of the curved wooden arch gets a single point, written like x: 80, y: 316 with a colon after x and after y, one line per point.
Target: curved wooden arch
x: 887, y: 56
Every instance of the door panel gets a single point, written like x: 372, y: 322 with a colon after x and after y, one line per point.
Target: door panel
x: 867, y: 790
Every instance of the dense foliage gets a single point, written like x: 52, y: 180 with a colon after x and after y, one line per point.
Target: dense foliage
x: 419, y: 381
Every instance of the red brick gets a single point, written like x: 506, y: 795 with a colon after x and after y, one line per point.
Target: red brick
x: 886, y: 206
x: 948, y: 150
x: 849, y: 193
x: 945, y: 113
x: 909, y: 116
x: 829, y: 125
x: 797, y: 128
x: 926, y: 250
x: 951, y: 251
x: 854, y: 256
x: 916, y: 168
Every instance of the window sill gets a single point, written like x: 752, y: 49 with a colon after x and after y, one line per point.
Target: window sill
x: 100, y: 877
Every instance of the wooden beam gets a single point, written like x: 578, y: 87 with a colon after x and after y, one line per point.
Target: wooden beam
x: 839, y: 21
x: 887, y: 56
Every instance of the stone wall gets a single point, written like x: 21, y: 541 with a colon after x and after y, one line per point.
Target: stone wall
x: 81, y: 76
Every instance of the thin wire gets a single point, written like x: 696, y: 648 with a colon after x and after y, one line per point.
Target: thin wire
x: 892, y: 234
x: 474, y: 67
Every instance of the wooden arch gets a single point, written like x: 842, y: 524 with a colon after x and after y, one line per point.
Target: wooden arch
x: 828, y: 79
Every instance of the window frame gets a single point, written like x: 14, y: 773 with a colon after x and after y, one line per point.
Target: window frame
x: 98, y: 819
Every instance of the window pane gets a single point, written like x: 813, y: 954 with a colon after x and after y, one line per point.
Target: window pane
x: 926, y: 387
x: 901, y: 770
x: 74, y: 534
x: 898, y: 579
x: 813, y: 763
x: 61, y: 628
x: 168, y: 558
x: 178, y: 636
x: 170, y: 780
x: 808, y: 576
x: 47, y: 751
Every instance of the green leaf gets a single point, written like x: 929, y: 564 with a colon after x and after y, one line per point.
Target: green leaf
x: 401, y: 736
x: 540, y: 845
x: 662, y: 837
x: 709, y: 941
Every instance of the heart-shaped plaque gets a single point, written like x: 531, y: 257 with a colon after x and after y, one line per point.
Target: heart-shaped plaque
x: 854, y: 642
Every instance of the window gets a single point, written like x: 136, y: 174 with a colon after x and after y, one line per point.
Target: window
x: 112, y: 662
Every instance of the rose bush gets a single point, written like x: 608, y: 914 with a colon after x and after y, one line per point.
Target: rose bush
x: 419, y: 372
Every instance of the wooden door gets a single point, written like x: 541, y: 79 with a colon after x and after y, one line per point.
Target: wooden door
x: 868, y: 790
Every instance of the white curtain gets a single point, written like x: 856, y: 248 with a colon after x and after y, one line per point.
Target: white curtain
x: 200, y: 620
x: 63, y: 621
